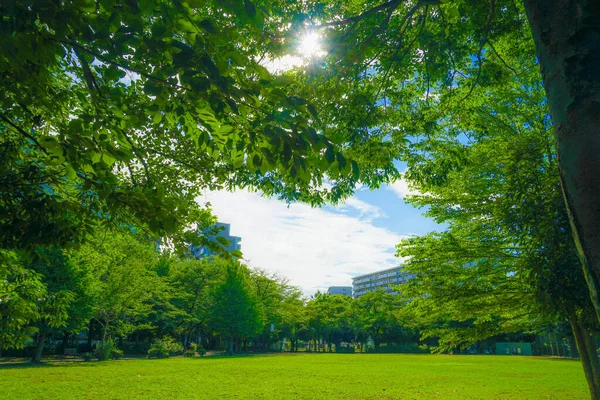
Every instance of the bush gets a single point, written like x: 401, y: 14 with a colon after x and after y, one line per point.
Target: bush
x: 135, y: 347
x: 117, y: 353
x: 165, y: 347
x: 406, y: 348
x: 200, y: 350
x: 344, y: 349
x: 107, y: 350
x: 87, y: 356
x: 189, y: 353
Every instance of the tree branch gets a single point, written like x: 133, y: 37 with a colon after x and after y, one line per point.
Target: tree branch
x: 479, y: 52
x: 23, y: 132
x: 390, y: 5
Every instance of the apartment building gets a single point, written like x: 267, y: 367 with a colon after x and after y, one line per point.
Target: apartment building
x: 385, y: 279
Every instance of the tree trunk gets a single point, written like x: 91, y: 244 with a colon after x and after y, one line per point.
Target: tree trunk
x: 37, y: 355
x: 586, y: 359
x: 90, y: 334
x: 573, y: 346
x: 591, y: 347
x: 567, y: 40
x: 230, y: 352
x: 65, y: 341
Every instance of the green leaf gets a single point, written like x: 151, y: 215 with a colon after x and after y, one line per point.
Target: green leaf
x: 330, y: 155
x: 151, y: 88
x: 49, y: 142
x: 283, y: 80
x: 70, y: 172
x: 107, y: 5
x: 86, y: 6
x: 355, y: 170
x: 208, y: 26
x: 108, y: 159
x: 249, y: 8
x: 236, y: 253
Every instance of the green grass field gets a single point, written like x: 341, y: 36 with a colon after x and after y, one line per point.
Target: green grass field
x: 301, y: 376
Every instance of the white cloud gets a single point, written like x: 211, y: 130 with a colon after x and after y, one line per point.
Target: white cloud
x: 365, y: 210
x: 401, y: 188
x: 315, y: 248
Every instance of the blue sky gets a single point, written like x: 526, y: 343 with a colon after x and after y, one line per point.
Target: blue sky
x: 320, y: 247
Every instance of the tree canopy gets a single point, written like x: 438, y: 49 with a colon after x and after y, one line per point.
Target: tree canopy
x: 127, y: 111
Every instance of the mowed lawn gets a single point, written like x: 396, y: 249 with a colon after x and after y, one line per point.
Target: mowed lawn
x: 301, y: 376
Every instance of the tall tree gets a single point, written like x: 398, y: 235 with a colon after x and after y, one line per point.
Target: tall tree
x: 124, y: 278
x: 235, y: 310
x: 20, y: 289
x: 193, y: 282
x: 374, y: 315
x: 67, y: 304
x: 507, y: 261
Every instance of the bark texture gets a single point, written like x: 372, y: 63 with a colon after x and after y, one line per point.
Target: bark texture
x: 39, y: 348
x: 589, y: 358
x: 567, y: 39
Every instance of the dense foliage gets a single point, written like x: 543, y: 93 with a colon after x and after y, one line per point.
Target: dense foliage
x: 137, y: 300
x: 125, y: 112
x: 115, y: 115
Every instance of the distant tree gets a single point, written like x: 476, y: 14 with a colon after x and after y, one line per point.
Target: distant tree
x: 125, y: 282
x: 293, y: 316
x: 67, y: 304
x: 374, y: 315
x: 192, y: 283
x: 327, y: 319
x: 235, y: 308
x: 20, y: 289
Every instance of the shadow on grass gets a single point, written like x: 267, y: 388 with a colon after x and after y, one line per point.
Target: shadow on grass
x: 73, y: 362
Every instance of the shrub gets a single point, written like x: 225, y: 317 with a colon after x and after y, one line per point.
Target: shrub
x: 165, y: 347
x: 87, y: 356
x: 135, y: 347
x: 344, y: 349
x: 407, y: 348
x: 200, y: 350
x: 189, y: 353
x: 107, y: 350
x: 117, y: 353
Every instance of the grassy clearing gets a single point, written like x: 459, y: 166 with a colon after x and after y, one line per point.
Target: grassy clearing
x: 302, y: 376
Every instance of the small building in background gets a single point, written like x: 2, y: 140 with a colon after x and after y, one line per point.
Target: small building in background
x: 343, y: 290
x: 199, y: 252
x: 385, y: 279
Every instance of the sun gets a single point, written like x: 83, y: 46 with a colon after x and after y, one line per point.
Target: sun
x: 310, y: 45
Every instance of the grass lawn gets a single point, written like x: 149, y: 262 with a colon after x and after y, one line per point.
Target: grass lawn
x: 301, y: 376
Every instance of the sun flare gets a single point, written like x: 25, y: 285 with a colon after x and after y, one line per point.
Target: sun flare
x: 310, y: 45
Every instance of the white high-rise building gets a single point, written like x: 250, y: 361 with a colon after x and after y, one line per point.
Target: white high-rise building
x: 385, y: 279
x: 343, y: 290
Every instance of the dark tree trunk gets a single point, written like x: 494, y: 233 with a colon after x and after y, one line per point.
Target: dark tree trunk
x: 587, y: 357
x: 573, y: 346
x: 567, y: 40
x: 230, y: 352
x: 90, y: 334
x: 37, y: 355
x: 65, y: 341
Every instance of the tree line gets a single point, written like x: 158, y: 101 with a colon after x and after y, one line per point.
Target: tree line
x: 121, y: 288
